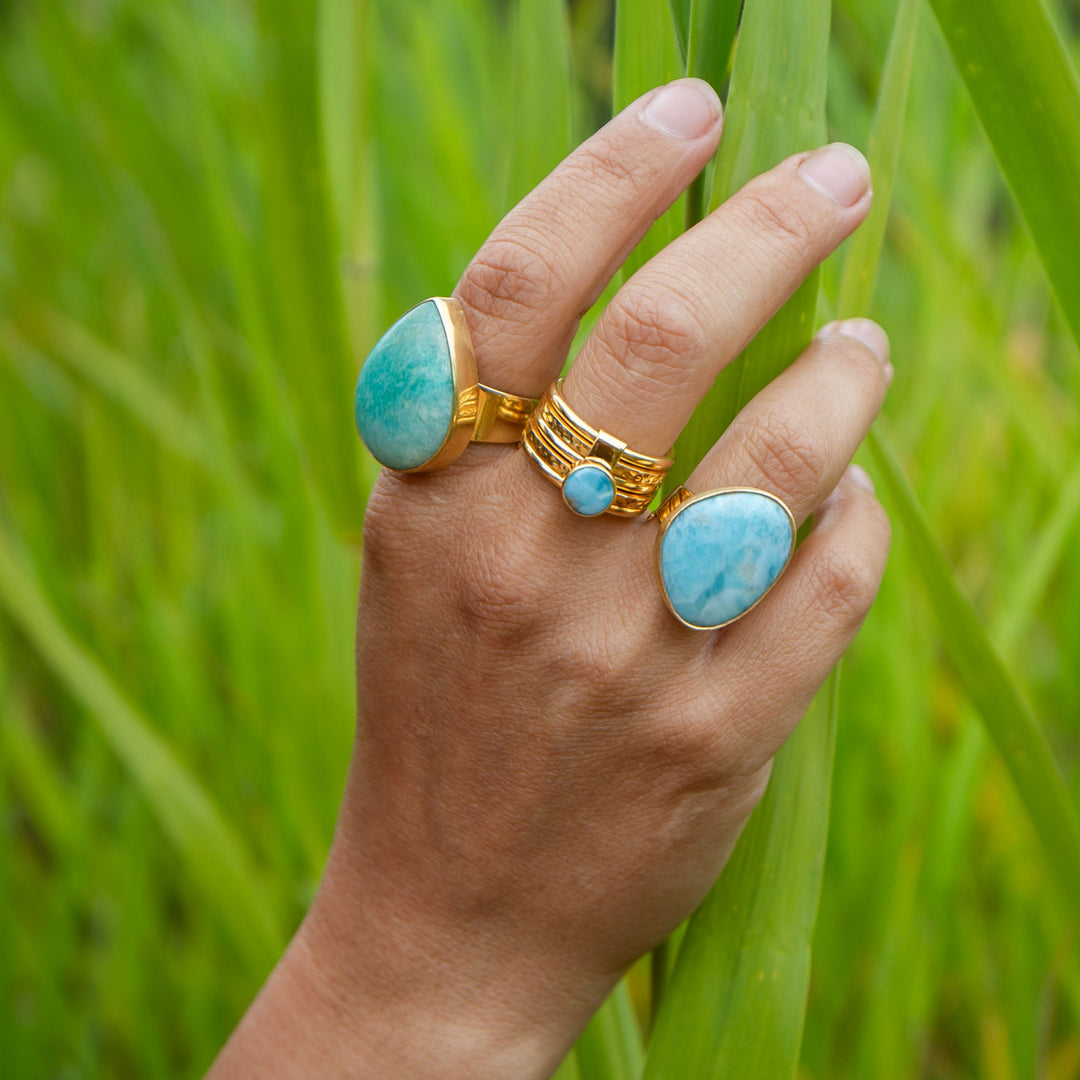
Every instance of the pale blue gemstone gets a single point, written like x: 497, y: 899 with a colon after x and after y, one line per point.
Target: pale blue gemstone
x: 588, y: 489
x: 720, y: 555
x: 405, y: 392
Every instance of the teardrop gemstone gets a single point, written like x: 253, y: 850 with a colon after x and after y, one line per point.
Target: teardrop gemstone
x: 405, y: 391
x: 721, y: 553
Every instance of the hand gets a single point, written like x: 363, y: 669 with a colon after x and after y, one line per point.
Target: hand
x: 550, y: 770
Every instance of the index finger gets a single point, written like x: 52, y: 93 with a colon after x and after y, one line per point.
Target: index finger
x: 550, y: 258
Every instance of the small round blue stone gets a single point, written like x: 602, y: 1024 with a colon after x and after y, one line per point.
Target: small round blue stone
x: 405, y: 392
x: 588, y: 489
x: 721, y: 554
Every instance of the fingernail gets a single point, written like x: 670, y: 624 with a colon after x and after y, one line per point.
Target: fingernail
x: 839, y: 171
x: 860, y: 476
x: 869, y: 333
x: 687, y: 109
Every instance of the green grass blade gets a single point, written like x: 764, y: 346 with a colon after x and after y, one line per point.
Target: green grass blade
x: 710, y: 39
x: 987, y: 680
x: 610, y: 1047
x: 707, y: 33
x: 776, y: 106
x: 568, y: 1068
x: 124, y: 381
x: 214, y: 857
x: 883, y: 153
x: 646, y: 55
x: 542, y: 93
x: 680, y: 12
x: 1008, y: 717
x: 736, y: 1002
x: 1026, y: 91
x: 341, y: 104
x: 1047, y: 553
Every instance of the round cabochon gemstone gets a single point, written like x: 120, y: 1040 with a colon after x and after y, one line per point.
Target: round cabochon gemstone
x: 721, y: 554
x: 405, y: 392
x: 588, y: 489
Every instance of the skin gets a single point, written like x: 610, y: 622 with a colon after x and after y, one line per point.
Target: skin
x: 549, y: 771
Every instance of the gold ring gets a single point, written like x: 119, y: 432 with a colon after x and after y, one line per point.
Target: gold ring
x: 419, y: 401
x: 596, y: 472
x: 718, y: 553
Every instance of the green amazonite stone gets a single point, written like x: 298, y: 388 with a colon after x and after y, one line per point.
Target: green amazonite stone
x: 405, y: 392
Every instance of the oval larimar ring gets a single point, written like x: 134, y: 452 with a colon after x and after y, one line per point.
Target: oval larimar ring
x: 419, y: 401
x: 720, y: 552
x: 597, y: 472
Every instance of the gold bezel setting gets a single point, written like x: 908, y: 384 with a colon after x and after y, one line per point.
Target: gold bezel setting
x: 674, y: 505
x: 463, y: 374
x: 478, y: 413
x: 589, y: 464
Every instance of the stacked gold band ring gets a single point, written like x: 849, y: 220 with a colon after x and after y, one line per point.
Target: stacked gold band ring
x: 596, y: 472
x: 418, y: 400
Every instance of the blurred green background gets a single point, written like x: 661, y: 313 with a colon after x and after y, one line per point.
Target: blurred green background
x: 209, y: 210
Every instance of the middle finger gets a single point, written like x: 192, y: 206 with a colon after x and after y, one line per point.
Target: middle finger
x: 693, y: 308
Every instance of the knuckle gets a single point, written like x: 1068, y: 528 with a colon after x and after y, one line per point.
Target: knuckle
x: 691, y: 741
x: 785, y: 455
x: 604, y: 164
x: 499, y: 590
x: 510, y: 278
x: 383, y: 536
x: 658, y: 330
x: 846, y: 583
x: 768, y: 213
x: 706, y: 749
x: 595, y: 670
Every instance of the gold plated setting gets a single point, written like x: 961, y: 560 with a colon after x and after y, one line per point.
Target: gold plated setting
x: 480, y: 413
x: 718, y: 554
x: 448, y: 401
x: 597, y: 472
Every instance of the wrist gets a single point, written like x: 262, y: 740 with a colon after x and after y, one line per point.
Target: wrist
x: 408, y: 996
x: 370, y: 988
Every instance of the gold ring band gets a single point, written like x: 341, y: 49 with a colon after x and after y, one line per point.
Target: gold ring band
x: 608, y: 477
x: 419, y: 401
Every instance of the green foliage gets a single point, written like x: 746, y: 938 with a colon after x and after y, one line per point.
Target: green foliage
x: 1003, y: 47
x: 776, y: 106
x: 208, y: 211
x: 737, y: 998
x: 217, y: 864
x: 646, y: 55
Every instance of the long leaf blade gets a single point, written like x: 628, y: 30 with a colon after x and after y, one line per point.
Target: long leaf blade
x: 211, y: 850
x: 646, y: 55
x: 776, y: 106
x: 1026, y: 91
x: 1008, y: 717
x: 883, y: 154
x: 737, y: 999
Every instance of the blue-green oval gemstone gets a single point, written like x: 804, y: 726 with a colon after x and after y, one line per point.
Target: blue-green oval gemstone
x: 588, y: 489
x: 721, y: 554
x: 405, y: 392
